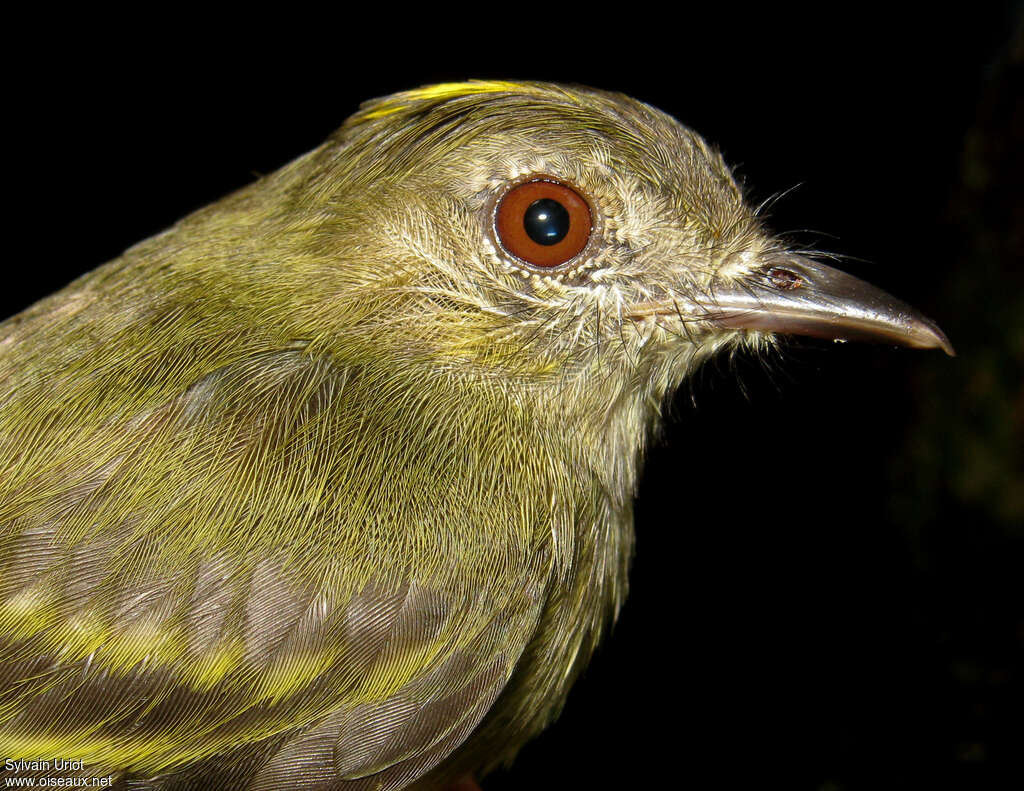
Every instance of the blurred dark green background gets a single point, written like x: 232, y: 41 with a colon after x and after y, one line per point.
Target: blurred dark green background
x: 828, y: 588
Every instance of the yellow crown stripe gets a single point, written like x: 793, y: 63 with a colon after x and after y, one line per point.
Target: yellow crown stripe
x: 440, y: 91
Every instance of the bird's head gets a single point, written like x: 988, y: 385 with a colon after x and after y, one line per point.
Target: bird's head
x: 541, y: 234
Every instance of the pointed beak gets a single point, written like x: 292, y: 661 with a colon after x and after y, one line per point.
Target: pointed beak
x: 798, y: 296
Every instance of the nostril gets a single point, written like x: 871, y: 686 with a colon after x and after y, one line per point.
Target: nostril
x: 784, y: 279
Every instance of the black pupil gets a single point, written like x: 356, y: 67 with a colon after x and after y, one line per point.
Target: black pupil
x: 546, y: 221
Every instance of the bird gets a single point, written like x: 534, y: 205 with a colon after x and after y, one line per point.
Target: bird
x: 330, y: 485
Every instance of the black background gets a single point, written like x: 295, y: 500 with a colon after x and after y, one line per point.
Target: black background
x: 827, y: 590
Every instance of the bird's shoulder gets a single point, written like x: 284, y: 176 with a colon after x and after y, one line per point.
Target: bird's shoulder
x: 268, y: 562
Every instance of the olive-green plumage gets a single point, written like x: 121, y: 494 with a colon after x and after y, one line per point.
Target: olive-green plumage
x: 321, y: 488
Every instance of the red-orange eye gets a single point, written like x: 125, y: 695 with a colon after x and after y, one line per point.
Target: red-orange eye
x: 544, y: 223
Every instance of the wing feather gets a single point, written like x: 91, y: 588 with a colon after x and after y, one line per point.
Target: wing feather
x: 184, y: 594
